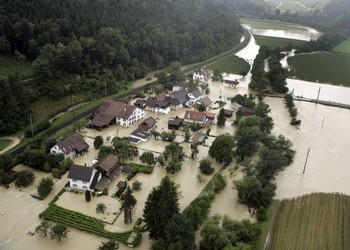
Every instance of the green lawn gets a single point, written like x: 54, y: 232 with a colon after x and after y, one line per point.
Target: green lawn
x: 322, y: 67
x: 276, y: 41
x: 10, y: 65
x: 343, y: 47
x: 314, y: 222
x: 230, y: 64
x: 4, y: 143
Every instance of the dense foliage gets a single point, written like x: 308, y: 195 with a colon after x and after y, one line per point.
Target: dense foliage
x: 24, y: 178
x: 161, y: 205
x: 45, y: 187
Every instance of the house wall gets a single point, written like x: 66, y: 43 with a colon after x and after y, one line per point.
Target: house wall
x: 78, y: 184
x: 162, y: 111
x: 136, y: 116
x: 56, y: 150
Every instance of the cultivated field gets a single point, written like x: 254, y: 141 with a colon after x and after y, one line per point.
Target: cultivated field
x: 231, y: 64
x: 276, y: 41
x: 317, y: 221
x: 343, y: 47
x: 321, y: 67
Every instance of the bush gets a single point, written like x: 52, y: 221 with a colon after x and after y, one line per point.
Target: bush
x: 147, y: 157
x: 87, y: 196
x: 205, y: 166
x: 41, y: 126
x: 136, y: 186
x: 66, y: 164
x: 261, y: 214
x: 56, y: 173
x: 45, y: 187
x: 101, y: 208
x: 98, y: 142
x: 24, y: 178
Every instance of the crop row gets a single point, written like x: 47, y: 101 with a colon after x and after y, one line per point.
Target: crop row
x: 82, y: 222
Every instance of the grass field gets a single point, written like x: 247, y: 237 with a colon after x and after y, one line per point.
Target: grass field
x: 230, y: 64
x: 322, y: 67
x: 276, y: 41
x: 313, y: 222
x: 343, y: 47
x: 4, y: 143
x: 10, y: 65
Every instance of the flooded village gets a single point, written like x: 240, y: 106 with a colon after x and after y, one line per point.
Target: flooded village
x: 324, y: 130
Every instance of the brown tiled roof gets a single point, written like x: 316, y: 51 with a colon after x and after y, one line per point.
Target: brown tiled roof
x: 111, y: 109
x: 73, y: 142
x: 194, y: 115
x: 160, y: 97
x: 210, y: 115
x: 107, y: 162
x: 206, y: 100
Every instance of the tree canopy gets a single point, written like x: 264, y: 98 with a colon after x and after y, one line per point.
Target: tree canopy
x: 161, y: 205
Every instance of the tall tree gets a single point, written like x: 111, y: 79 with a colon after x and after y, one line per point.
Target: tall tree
x: 45, y: 187
x: 129, y: 205
x: 222, y: 148
x: 161, y: 205
x: 221, y: 118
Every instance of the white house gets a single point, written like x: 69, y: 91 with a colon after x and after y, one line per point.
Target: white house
x: 111, y: 112
x: 81, y: 177
x: 231, y: 83
x: 194, y: 96
x: 71, y: 146
x: 201, y: 74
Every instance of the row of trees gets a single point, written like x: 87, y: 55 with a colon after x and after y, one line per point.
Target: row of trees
x: 275, y: 78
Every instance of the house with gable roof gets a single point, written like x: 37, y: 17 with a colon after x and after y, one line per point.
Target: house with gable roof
x: 194, y: 96
x: 113, y: 112
x: 71, y: 146
x: 81, y: 177
x: 193, y: 117
x: 201, y: 74
x: 179, y: 100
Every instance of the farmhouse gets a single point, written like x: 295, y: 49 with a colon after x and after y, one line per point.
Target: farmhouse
x: 206, y: 102
x: 158, y: 105
x: 113, y: 112
x: 81, y: 177
x: 71, y: 146
x: 180, y: 85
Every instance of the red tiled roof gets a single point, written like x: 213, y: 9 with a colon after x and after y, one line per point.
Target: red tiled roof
x: 194, y: 115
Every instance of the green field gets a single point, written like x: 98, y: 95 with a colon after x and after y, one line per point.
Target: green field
x: 321, y: 67
x: 10, y: 65
x: 4, y: 143
x: 230, y: 64
x: 343, y: 47
x: 313, y: 222
x: 276, y: 41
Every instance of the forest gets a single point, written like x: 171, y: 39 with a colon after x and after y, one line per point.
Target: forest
x: 79, y: 46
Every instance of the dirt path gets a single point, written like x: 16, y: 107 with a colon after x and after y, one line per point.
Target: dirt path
x: 14, y: 141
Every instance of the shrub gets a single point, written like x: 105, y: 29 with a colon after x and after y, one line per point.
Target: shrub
x: 261, y: 214
x: 45, y: 187
x: 56, y: 173
x: 205, y: 166
x: 87, y: 196
x: 98, y: 142
x: 101, y: 208
x: 136, y: 186
x: 147, y: 157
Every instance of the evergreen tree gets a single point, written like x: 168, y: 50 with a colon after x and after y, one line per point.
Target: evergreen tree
x: 161, y: 205
x: 221, y: 118
x: 129, y: 205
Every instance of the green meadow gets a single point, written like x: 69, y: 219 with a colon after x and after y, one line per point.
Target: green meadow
x: 343, y: 47
x: 321, y: 67
x: 230, y: 64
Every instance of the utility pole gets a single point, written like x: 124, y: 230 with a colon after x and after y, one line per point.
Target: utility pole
x: 307, y: 156
x: 133, y: 81
x: 31, y: 124
x: 318, y: 95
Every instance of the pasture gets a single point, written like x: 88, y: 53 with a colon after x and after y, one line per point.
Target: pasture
x: 317, y: 221
x: 274, y: 42
x: 321, y: 67
x: 230, y: 64
x: 343, y: 47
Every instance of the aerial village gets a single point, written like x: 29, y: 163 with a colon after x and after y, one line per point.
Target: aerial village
x: 148, y: 124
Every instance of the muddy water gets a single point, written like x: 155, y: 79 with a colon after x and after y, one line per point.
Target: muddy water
x: 326, y: 132
x: 292, y: 32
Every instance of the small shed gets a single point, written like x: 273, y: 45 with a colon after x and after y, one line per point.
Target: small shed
x: 228, y: 112
x: 121, y: 184
x: 175, y: 124
x: 127, y: 170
